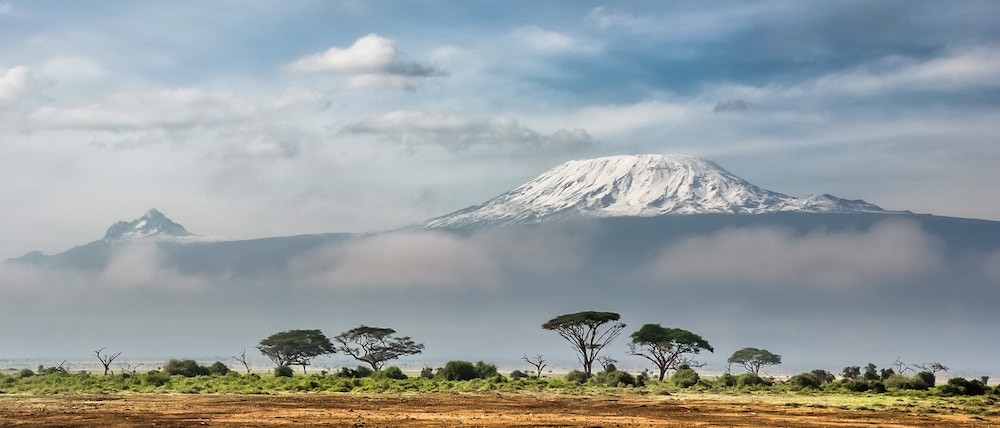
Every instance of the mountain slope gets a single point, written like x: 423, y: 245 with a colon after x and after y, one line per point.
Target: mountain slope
x: 638, y: 186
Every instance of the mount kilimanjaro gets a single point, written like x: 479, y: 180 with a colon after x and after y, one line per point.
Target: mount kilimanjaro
x: 637, y: 202
x: 638, y: 186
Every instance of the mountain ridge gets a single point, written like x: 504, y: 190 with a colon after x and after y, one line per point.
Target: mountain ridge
x: 638, y: 185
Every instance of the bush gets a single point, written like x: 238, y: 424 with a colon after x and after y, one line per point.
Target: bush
x: 154, y: 378
x: 614, y: 377
x: 855, y: 385
x: 485, y: 371
x: 51, y: 370
x: 186, y: 368
x: 458, y: 370
x: 218, y: 369
x: 685, y: 378
x: 283, y: 371
x: 576, y: 376
x: 876, y: 386
x: 517, y: 374
x: 805, y: 381
x: 726, y: 380
x: 393, y: 372
x: 898, y: 381
x: 427, y: 373
x: 927, y: 377
x: 750, y: 379
x: 962, y: 386
x: 823, y: 376
x: 355, y: 373
x: 23, y: 373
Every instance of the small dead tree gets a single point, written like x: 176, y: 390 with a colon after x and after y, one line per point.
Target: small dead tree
x: 129, y: 368
x: 900, y: 367
x: 243, y: 359
x: 537, y: 362
x: 932, y: 367
x: 606, y: 362
x: 106, y: 359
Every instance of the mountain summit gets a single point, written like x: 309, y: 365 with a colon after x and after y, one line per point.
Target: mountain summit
x: 153, y: 224
x: 638, y: 186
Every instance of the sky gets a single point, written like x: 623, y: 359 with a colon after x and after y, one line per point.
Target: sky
x: 247, y: 119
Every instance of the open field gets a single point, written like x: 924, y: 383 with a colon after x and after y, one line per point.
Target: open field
x: 471, y: 410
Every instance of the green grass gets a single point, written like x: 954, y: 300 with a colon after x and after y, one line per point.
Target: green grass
x: 830, y: 396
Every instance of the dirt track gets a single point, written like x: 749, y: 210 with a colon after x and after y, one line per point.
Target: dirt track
x: 439, y: 410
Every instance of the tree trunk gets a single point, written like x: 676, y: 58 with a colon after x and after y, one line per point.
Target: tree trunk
x: 663, y: 372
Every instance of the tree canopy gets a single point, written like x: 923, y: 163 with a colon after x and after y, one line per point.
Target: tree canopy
x: 752, y: 359
x: 584, y: 332
x: 375, y: 345
x: 295, y: 347
x: 665, y: 347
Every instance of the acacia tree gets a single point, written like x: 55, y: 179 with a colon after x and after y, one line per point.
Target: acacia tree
x: 587, y: 334
x: 665, y: 347
x: 752, y: 359
x: 537, y: 362
x: 375, y: 345
x: 296, y: 347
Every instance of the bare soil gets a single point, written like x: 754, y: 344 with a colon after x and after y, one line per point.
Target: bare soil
x: 444, y: 410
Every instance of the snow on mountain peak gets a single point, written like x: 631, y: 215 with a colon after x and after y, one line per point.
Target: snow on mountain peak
x: 637, y: 185
x: 153, y: 224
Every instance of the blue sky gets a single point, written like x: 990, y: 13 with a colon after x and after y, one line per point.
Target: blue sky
x: 248, y: 119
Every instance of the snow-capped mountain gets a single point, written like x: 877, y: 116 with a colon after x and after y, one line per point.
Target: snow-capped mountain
x: 153, y: 224
x: 638, y: 186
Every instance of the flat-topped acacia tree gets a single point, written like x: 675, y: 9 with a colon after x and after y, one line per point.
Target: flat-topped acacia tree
x: 752, y: 359
x: 375, y: 345
x: 587, y: 332
x: 665, y: 346
x: 295, y: 347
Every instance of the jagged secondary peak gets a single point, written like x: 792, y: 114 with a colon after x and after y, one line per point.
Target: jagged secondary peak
x: 636, y: 185
x: 151, y: 224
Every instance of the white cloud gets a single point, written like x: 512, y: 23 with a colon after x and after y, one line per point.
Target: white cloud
x: 890, y: 251
x: 72, y: 68
x: 17, y: 82
x: 545, y: 41
x: 459, y: 131
x: 968, y: 68
x: 371, y: 62
x: 403, y: 260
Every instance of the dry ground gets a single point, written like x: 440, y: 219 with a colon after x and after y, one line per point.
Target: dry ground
x: 445, y: 410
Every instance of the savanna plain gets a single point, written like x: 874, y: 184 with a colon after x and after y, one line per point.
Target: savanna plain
x: 235, y: 399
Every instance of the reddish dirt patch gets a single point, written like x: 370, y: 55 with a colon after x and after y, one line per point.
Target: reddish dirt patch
x: 438, y: 410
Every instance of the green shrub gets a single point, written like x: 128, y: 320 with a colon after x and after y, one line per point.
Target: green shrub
x: 685, y: 378
x: 750, y: 379
x: 393, y: 372
x: 642, y: 379
x: 823, y: 376
x: 576, y: 376
x: 928, y: 378
x: 854, y: 385
x: 218, y: 369
x: 485, y: 371
x: 805, y: 381
x: 726, y: 380
x: 186, y: 368
x: 51, y: 370
x: 876, y: 386
x: 898, y: 381
x: 355, y: 373
x: 457, y: 370
x: 616, y: 378
x: 154, y: 378
x: 23, y: 373
x: 283, y: 371
x: 517, y: 374
x: 962, y: 386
